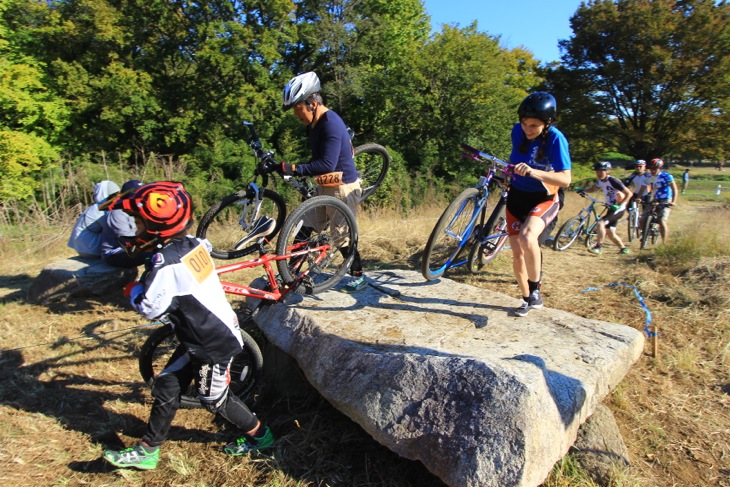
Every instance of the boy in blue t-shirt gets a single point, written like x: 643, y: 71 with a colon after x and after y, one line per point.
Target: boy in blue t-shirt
x: 664, y: 189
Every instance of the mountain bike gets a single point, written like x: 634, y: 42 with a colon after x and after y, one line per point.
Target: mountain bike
x: 464, y: 223
x: 651, y: 232
x: 234, y: 224
x: 245, y: 369
x: 314, y: 251
x: 582, y: 224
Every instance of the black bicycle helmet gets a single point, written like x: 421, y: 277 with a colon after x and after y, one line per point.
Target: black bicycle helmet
x: 640, y: 162
x: 602, y: 166
x: 538, y: 105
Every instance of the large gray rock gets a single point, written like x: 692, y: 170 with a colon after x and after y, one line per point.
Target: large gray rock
x: 439, y: 372
x: 77, y: 277
x: 600, y: 448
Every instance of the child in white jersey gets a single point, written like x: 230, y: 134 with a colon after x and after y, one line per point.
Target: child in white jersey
x: 181, y: 283
x: 617, y: 196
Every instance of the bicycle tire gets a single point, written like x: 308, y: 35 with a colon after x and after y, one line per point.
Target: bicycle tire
x: 483, y: 253
x: 443, y: 248
x: 319, y: 220
x: 591, y: 236
x: 633, y: 226
x: 372, y: 162
x: 246, y: 367
x: 221, y: 223
x: 648, y: 235
x: 568, y: 234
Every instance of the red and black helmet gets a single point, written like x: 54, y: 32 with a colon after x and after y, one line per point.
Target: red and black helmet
x: 655, y: 163
x: 165, y: 207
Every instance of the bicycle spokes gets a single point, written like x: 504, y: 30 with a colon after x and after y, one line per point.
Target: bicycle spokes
x: 322, y: 236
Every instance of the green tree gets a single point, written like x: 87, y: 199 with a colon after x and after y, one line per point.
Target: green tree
x: 648, y: 77
x: 31, y: 116
x: 161, y: 76
x: 462, y: 87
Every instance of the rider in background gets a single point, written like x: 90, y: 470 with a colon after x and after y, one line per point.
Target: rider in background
x: 332, y: 164
x: 637, y: 182
x: 617, y: 195
x: 181, y: 283
x: 119, y: 225
x: 86, y: 235
x: 664, y: 189
x: 541, y: 159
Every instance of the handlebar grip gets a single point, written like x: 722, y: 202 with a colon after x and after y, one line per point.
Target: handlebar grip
x: 469, y: 149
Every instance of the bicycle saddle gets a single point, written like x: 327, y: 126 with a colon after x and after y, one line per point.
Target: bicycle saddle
x: 261, y: 228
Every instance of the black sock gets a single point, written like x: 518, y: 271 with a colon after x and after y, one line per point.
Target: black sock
x: 533, y: 286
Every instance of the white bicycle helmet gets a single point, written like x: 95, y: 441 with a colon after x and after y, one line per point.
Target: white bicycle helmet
x: 299, y: 88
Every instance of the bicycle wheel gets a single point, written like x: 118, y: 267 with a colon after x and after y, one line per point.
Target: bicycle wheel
x: 372, y: 162
x: 450, y: 235
x: 650, y: 232
x: 229, y: 222
x: 591, y: 236
x: 633, y: 224
x: 484, y: 250
x: 245, y: 369
x: 325, y: 229
x: 568, y: 233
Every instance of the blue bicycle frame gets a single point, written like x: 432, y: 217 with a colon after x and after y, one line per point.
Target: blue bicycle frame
x: 455, y: 228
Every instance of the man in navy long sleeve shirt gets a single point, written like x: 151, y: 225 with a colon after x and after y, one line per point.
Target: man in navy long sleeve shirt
x: 332, y: 164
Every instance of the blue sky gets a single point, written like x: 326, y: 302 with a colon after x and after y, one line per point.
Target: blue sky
x: 534, y: 24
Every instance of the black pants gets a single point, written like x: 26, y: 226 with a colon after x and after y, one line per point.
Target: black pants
x: 212, y: 386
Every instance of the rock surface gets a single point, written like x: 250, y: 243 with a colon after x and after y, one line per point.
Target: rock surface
x: 599, y: 448
x: 439, y: 372
x: 77, y: 277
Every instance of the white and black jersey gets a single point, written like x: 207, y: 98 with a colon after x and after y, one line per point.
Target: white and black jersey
x: 636, y: 181
x: 183, y: 284
x: 611, y: 186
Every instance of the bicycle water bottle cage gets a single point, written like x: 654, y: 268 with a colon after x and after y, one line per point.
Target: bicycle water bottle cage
x: 261, y: 228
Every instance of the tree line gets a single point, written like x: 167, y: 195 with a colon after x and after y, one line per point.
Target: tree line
x: 168, y: 83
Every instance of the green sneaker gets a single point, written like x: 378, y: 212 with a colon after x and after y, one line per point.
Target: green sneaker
x: 246, y: 444
x: 596, y: 249
x: 133, y: 457
x: 357, y: 284
x: 624, y: 251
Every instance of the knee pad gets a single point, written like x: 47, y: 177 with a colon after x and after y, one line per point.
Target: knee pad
x: 166, y: 389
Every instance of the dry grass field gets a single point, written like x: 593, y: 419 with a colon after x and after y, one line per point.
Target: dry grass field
x: 71, y: 388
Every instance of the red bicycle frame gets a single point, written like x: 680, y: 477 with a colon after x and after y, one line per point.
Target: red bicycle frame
x: 277, y: 291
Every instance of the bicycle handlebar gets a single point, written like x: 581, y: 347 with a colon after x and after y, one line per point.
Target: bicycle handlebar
x: 583, y: 194
x: 476, y: 153
x: 263, y: 156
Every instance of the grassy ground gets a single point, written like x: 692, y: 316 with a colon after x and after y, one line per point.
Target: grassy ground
x: 71, y: 386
